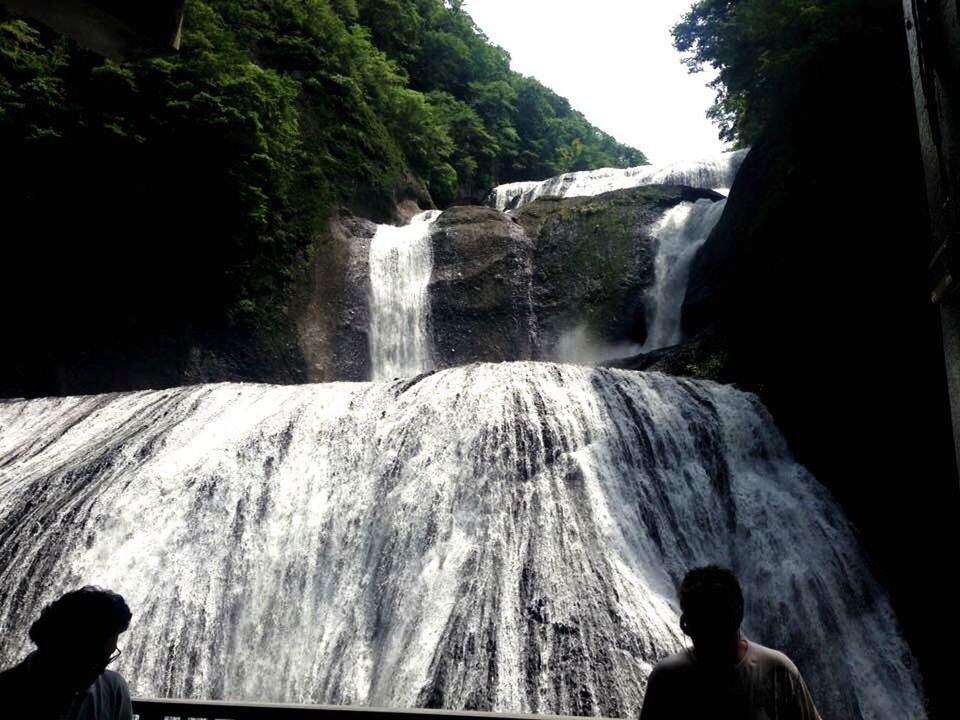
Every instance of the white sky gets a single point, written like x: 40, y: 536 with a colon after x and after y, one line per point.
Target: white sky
x: 614, y: 60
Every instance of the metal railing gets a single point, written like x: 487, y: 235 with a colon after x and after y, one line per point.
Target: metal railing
x: 160, y: 709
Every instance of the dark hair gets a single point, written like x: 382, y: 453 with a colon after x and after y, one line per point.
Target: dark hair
x: 712, y: 592
x: 85, y: 613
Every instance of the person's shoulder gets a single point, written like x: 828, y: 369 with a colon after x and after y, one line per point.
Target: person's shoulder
x: 673, y: 664
x: 111, y: 694
x: 114, y: 682
x: 773, y: 659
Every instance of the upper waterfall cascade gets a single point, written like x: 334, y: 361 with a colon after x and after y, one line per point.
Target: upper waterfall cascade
x: 498, y: 537
x: 711, y: 173
x: 401, y: 260
x: 681, y: 231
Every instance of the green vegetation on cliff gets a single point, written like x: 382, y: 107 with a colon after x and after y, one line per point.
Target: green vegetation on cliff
x: 181, y: 192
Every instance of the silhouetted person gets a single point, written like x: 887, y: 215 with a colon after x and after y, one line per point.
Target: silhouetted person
x: 723, y: 676
x: 66, y: 678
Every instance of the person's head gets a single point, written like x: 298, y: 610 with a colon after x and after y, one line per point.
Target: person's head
x: 76, y: 635
x: 711, y: 603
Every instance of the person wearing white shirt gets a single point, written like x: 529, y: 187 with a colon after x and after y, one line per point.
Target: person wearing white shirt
x: 66, y: 677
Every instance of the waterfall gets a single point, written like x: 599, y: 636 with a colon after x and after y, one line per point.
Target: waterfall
x: 510, y: 196
x: 711, y: 173
x: 498, y: 537
x: 401, y: 261
x: 680, y: 233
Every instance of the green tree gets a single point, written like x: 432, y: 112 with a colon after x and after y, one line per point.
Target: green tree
x: 226, y: 158
x: 768, y: 54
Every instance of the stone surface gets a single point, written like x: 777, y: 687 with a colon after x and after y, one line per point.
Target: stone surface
x: 593, y: 261
x: 333, y: 318
x: 480, y: 290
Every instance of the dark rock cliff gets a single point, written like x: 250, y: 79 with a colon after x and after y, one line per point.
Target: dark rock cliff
x: 333, y: 316
x: 480, y: 290
x: 593, y: 261
x: 814, y: 283
x: 511, y: 287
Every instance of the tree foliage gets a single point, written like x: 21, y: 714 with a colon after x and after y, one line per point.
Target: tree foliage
x: 222, y: 162
x: 772, y: 55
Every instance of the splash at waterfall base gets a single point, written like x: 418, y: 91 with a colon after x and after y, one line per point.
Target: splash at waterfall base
x: 501, y: 537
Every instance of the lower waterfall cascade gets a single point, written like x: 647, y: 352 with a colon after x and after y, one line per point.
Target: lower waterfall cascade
x: 504, y: 537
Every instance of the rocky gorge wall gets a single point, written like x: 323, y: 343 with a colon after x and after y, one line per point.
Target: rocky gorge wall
x: 504, y: 286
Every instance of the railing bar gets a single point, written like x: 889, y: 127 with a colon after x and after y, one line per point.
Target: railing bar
x: 150, y: 708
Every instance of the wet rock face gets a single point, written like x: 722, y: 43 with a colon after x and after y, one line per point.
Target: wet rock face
x: 704, y: 357
x: 503, y: 287
x: 594, y: 261
x: 511, y: 287
x: 333, y: 321
x: 480, y: 290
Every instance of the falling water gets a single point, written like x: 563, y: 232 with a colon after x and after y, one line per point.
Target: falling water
x: 680, y: 233
x: 498, y: 537
x: 401, y: 261
x: 712, y: 173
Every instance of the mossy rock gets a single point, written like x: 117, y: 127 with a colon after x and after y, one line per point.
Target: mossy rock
x: 593, y: 260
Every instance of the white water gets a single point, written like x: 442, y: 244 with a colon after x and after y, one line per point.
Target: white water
x: 401, y: 260
x: 682, y: 230
x: 492, y: 536
x: 711, y: 173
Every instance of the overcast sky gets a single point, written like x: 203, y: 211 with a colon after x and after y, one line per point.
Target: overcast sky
x: 615, y: 62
